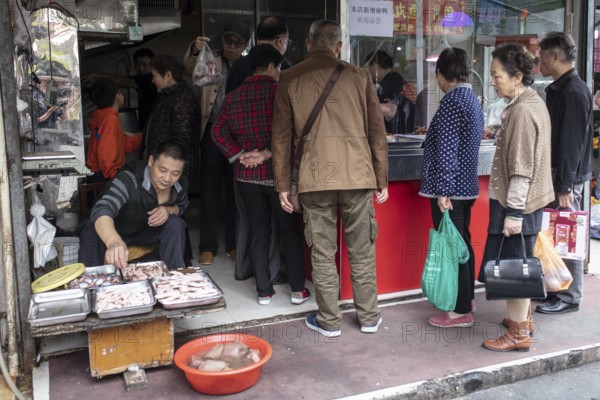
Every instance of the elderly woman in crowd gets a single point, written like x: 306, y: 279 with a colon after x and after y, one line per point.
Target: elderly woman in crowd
x: 520, y: 182
x: 175, y: 115
x: 450, y: 169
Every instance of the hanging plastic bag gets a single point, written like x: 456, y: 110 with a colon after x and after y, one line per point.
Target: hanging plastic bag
x: 205, y: 71
x: 446, y: 250
x: 556, y: 274
x: 41, y: 233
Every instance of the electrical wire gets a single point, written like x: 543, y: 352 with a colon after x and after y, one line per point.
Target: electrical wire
x: 49, y: 43
x: 7, y: 378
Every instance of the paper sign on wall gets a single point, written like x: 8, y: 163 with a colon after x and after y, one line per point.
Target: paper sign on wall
x: 371, y: 18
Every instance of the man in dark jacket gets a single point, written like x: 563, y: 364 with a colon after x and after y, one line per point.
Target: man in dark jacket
x: 271, y: 30
x: 141, y: 205
x: 398, y: 111
x: 569, y: 103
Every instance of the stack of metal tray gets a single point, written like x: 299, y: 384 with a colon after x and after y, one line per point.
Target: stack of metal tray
x: 58, y: 307
x: 184, y: 301
x: 126, y: 289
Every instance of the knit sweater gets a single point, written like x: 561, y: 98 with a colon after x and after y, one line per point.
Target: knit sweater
x: 523, y: 149
x: 129, y: 196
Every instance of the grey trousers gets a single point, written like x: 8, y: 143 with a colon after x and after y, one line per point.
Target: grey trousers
x: 574, y: 294
x: 357, y: 215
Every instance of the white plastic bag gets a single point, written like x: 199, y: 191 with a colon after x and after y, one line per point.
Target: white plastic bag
x: 41, y: 233
x: 205, y: 71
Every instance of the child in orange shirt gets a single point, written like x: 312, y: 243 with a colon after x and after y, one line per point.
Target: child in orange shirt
x: 108, y: 143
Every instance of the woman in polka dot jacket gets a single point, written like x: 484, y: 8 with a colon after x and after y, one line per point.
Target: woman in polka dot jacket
x: 449, y: 176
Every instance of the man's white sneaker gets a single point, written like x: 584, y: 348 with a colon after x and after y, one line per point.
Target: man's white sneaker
x: 371, y: 328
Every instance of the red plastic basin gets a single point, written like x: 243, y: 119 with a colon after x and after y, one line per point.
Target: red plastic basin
x: 222, y: 382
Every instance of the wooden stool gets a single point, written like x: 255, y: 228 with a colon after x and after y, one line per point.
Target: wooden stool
x: 88, y: 194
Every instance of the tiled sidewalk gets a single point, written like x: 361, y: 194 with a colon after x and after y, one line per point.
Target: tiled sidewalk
x: 406, y: 350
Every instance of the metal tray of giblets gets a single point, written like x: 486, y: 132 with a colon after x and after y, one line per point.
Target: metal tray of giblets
x: 180, y: 290
x: 144, y: 270
x: 59, y: 307
x: 94, y: 277
x: 123, y: 300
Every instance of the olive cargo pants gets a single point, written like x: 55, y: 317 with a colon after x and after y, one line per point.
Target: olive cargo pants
x: 360, y: 230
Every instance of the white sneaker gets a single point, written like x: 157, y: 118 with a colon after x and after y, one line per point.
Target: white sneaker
x: 265, y: 301
x: 371, y: 328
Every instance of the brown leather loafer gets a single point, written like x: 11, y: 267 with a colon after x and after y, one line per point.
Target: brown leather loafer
x: 206, y: 258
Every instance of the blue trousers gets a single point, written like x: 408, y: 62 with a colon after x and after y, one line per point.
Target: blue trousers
x: 170, y: 237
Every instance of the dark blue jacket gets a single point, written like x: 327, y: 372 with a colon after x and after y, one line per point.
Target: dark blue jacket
x: 569, y: 103
x: 452, y: 146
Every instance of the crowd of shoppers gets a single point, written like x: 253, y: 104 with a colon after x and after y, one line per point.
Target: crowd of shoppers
x: 248, y: 126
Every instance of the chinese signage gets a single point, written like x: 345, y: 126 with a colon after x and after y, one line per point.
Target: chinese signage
x: 440, y: 17
x: 371, y: 18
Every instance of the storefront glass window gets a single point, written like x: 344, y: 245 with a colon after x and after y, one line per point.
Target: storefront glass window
x: 422, y: 28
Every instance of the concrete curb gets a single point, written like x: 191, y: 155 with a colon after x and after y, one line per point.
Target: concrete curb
x: 461, y: 384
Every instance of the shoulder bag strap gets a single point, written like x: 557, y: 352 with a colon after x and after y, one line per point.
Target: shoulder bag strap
x: 313, y: 116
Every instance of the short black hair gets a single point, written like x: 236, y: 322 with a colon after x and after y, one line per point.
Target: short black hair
x: 454, y: 65
x: 262, y: 55
x: 164, y: 63
x: 516, y: 59
x: 143, y: 52
x: 103, y: 93
x: 561, y: 43
x: 380, y: 58
x: 270, y: 28
x: 170, y: 149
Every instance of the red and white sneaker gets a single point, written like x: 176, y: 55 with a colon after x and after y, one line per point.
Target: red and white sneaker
x: 265, y: 300
x: 300, y: 297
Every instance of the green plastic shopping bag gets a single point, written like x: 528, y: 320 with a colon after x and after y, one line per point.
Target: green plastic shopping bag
x: 446, y: 250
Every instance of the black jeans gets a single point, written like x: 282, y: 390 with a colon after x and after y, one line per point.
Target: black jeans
x: 461, y: 217
x: 215, y: 171
x: 261, y: 202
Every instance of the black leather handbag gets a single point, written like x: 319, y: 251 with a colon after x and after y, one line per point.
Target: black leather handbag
x: 521, y: 278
